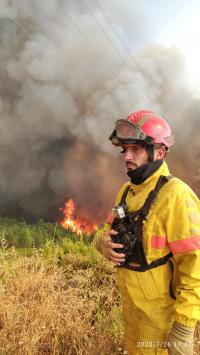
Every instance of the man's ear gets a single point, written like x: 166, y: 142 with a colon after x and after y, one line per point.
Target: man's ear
x: 159, y: 153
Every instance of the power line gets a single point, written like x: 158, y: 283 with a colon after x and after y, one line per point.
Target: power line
x: 30, y: 35
x: 116, y: 49
x: 37, y: 22
x: 109, y: 39
x: 90, y: 44
x: 20, y: 26
x: 124, y: 45
x: 99, y: 54
x: 31, y: 15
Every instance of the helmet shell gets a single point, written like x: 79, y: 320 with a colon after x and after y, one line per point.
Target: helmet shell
x: 154, y: 126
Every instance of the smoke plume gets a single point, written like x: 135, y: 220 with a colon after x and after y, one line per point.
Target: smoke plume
x: 66, y: 75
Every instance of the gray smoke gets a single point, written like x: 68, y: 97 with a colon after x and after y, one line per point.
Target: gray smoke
x: 65, y: 77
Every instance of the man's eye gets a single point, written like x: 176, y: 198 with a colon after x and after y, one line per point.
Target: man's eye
x: 123, y: 151
x: 137, y: 149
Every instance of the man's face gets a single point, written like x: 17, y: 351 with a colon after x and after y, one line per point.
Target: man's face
x: 135, y: 156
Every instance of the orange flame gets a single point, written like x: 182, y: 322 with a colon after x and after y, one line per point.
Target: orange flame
x: 77, y: 225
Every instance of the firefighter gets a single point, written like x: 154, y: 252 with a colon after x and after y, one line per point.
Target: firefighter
x: 159, y: 278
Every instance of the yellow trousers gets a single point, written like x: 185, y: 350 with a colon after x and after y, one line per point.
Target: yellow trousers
x: 147, y: 309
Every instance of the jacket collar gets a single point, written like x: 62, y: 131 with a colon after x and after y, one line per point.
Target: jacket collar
x: 152, y: 179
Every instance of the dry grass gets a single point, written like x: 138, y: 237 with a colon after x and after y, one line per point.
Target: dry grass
x: 46, y: 309
x: 49, y: 309
x: 197, y: 340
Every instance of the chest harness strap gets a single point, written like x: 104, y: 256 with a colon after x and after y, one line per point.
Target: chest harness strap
x: 137, y: 261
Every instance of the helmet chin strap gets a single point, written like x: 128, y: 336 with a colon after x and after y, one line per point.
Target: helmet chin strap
x: 150, y: 151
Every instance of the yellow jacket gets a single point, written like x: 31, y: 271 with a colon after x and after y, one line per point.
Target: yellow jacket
x: 173, y: 224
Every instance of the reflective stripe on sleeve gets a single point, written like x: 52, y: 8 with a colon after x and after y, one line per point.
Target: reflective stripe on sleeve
x: 177, y: 247
x: 185, y: 245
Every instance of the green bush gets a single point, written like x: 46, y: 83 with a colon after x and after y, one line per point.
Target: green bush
x: 22, y: 235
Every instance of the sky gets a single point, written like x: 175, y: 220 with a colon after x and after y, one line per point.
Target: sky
x: 179, y: 25
x: 68, y: 70
x: 173, y: 23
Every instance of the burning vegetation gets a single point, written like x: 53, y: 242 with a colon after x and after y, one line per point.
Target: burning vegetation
x: 78, y: 225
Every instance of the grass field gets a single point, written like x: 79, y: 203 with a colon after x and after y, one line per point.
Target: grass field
x: 59, y: 297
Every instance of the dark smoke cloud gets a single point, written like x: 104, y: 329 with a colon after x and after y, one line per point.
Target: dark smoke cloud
x: 62, y: 85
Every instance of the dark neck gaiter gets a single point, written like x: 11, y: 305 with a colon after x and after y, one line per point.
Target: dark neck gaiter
x: 139, y: 175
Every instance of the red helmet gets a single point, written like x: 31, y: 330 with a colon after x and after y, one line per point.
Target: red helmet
x: 144, y: 126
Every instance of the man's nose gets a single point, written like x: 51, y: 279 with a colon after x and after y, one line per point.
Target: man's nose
x: 128, y: 155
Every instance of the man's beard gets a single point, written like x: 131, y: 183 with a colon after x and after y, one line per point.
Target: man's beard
x: 140, y: 174
x: 132, y: 166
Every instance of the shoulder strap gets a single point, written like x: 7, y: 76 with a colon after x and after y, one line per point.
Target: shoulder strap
x: 152, y: 195
x: 125, y: 193
x: 161, y: 181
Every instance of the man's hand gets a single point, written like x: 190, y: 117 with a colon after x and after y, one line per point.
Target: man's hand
x: 181, y: 340
x: 108, y: 248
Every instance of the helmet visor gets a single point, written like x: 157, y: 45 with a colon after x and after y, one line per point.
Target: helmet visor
x: 127, y: 132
